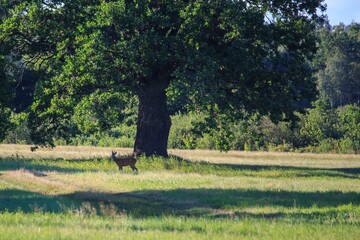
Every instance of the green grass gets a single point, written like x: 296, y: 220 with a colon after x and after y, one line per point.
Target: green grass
x: 66, y: 194
x: 71, y: 226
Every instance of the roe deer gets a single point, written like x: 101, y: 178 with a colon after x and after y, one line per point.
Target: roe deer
x: 124, y: 161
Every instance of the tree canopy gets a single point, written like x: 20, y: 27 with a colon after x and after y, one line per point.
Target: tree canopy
x: 338, y: 64
x: 225, y: 55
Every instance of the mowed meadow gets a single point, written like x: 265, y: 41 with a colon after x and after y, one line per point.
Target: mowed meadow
x: 78, y: 193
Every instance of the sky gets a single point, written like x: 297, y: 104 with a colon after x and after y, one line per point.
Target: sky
x: 345, y: 11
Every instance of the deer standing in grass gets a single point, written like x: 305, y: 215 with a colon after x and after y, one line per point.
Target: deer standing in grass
x: 124, y: 161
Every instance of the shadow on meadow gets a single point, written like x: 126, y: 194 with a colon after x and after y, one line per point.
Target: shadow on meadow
x: 224, y: 169
x: 212, y: 202
x: 208, y: 203
x: 13, y: 200
x: 299, y: 171
x: 57, y: 165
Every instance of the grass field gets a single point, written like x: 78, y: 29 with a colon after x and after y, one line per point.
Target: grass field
x: 77, y: 193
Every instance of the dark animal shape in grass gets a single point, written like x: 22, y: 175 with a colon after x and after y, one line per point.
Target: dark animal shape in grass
x: 34, y: 148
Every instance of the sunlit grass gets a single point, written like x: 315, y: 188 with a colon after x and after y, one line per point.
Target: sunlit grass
x: 70, y: 226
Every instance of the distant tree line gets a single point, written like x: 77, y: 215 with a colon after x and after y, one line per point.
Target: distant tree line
x: 337, y: 64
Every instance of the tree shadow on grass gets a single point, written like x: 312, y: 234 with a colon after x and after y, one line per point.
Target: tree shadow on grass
x: 303, y: 171
x: 8, y: 164
x: 203, y: 202
x: 13, y: 200
x: 209, y: 202
x: 293, y: 171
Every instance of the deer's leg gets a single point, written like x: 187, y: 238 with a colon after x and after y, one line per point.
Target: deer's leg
x: 120, y: 168
x: 133, y: 168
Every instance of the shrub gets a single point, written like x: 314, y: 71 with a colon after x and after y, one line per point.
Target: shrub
x: 284, y: 147
x: 20, y: 133
x: 347, y: 146
x: 247, y: 134
x: 318, y: 124
x: 349, y: 118
x: 275, y: 134
x: 328, y: 145
x: 184, y: 132
x: 206, y: 142
x: 122, y: 141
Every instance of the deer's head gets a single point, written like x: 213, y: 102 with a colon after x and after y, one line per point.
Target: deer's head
x: 113, y: 154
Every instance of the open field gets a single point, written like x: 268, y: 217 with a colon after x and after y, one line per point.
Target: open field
x: 77, y: 192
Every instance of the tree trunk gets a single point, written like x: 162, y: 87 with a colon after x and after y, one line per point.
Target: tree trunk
x: 153, y: 124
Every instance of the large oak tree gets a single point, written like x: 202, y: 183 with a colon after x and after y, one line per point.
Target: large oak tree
x: 249, y: 54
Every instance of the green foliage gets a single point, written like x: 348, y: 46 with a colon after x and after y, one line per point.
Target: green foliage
x: 330, y: 130
x: 5, y: 99
x: 327, y: 145
x: 285, y: 147
x: 5, y: 124
x: 338, y: 65
x: 255, y: 133
x: 349, y: 122
x: 206, y: 142
x: 20, y: 133
x: 184, y: 133
x: 247, y: 134
x: 321, y: 129
x: 319, y: 123
x: 228, y: 55
x: 120, y: 136
x: 99, y: 111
